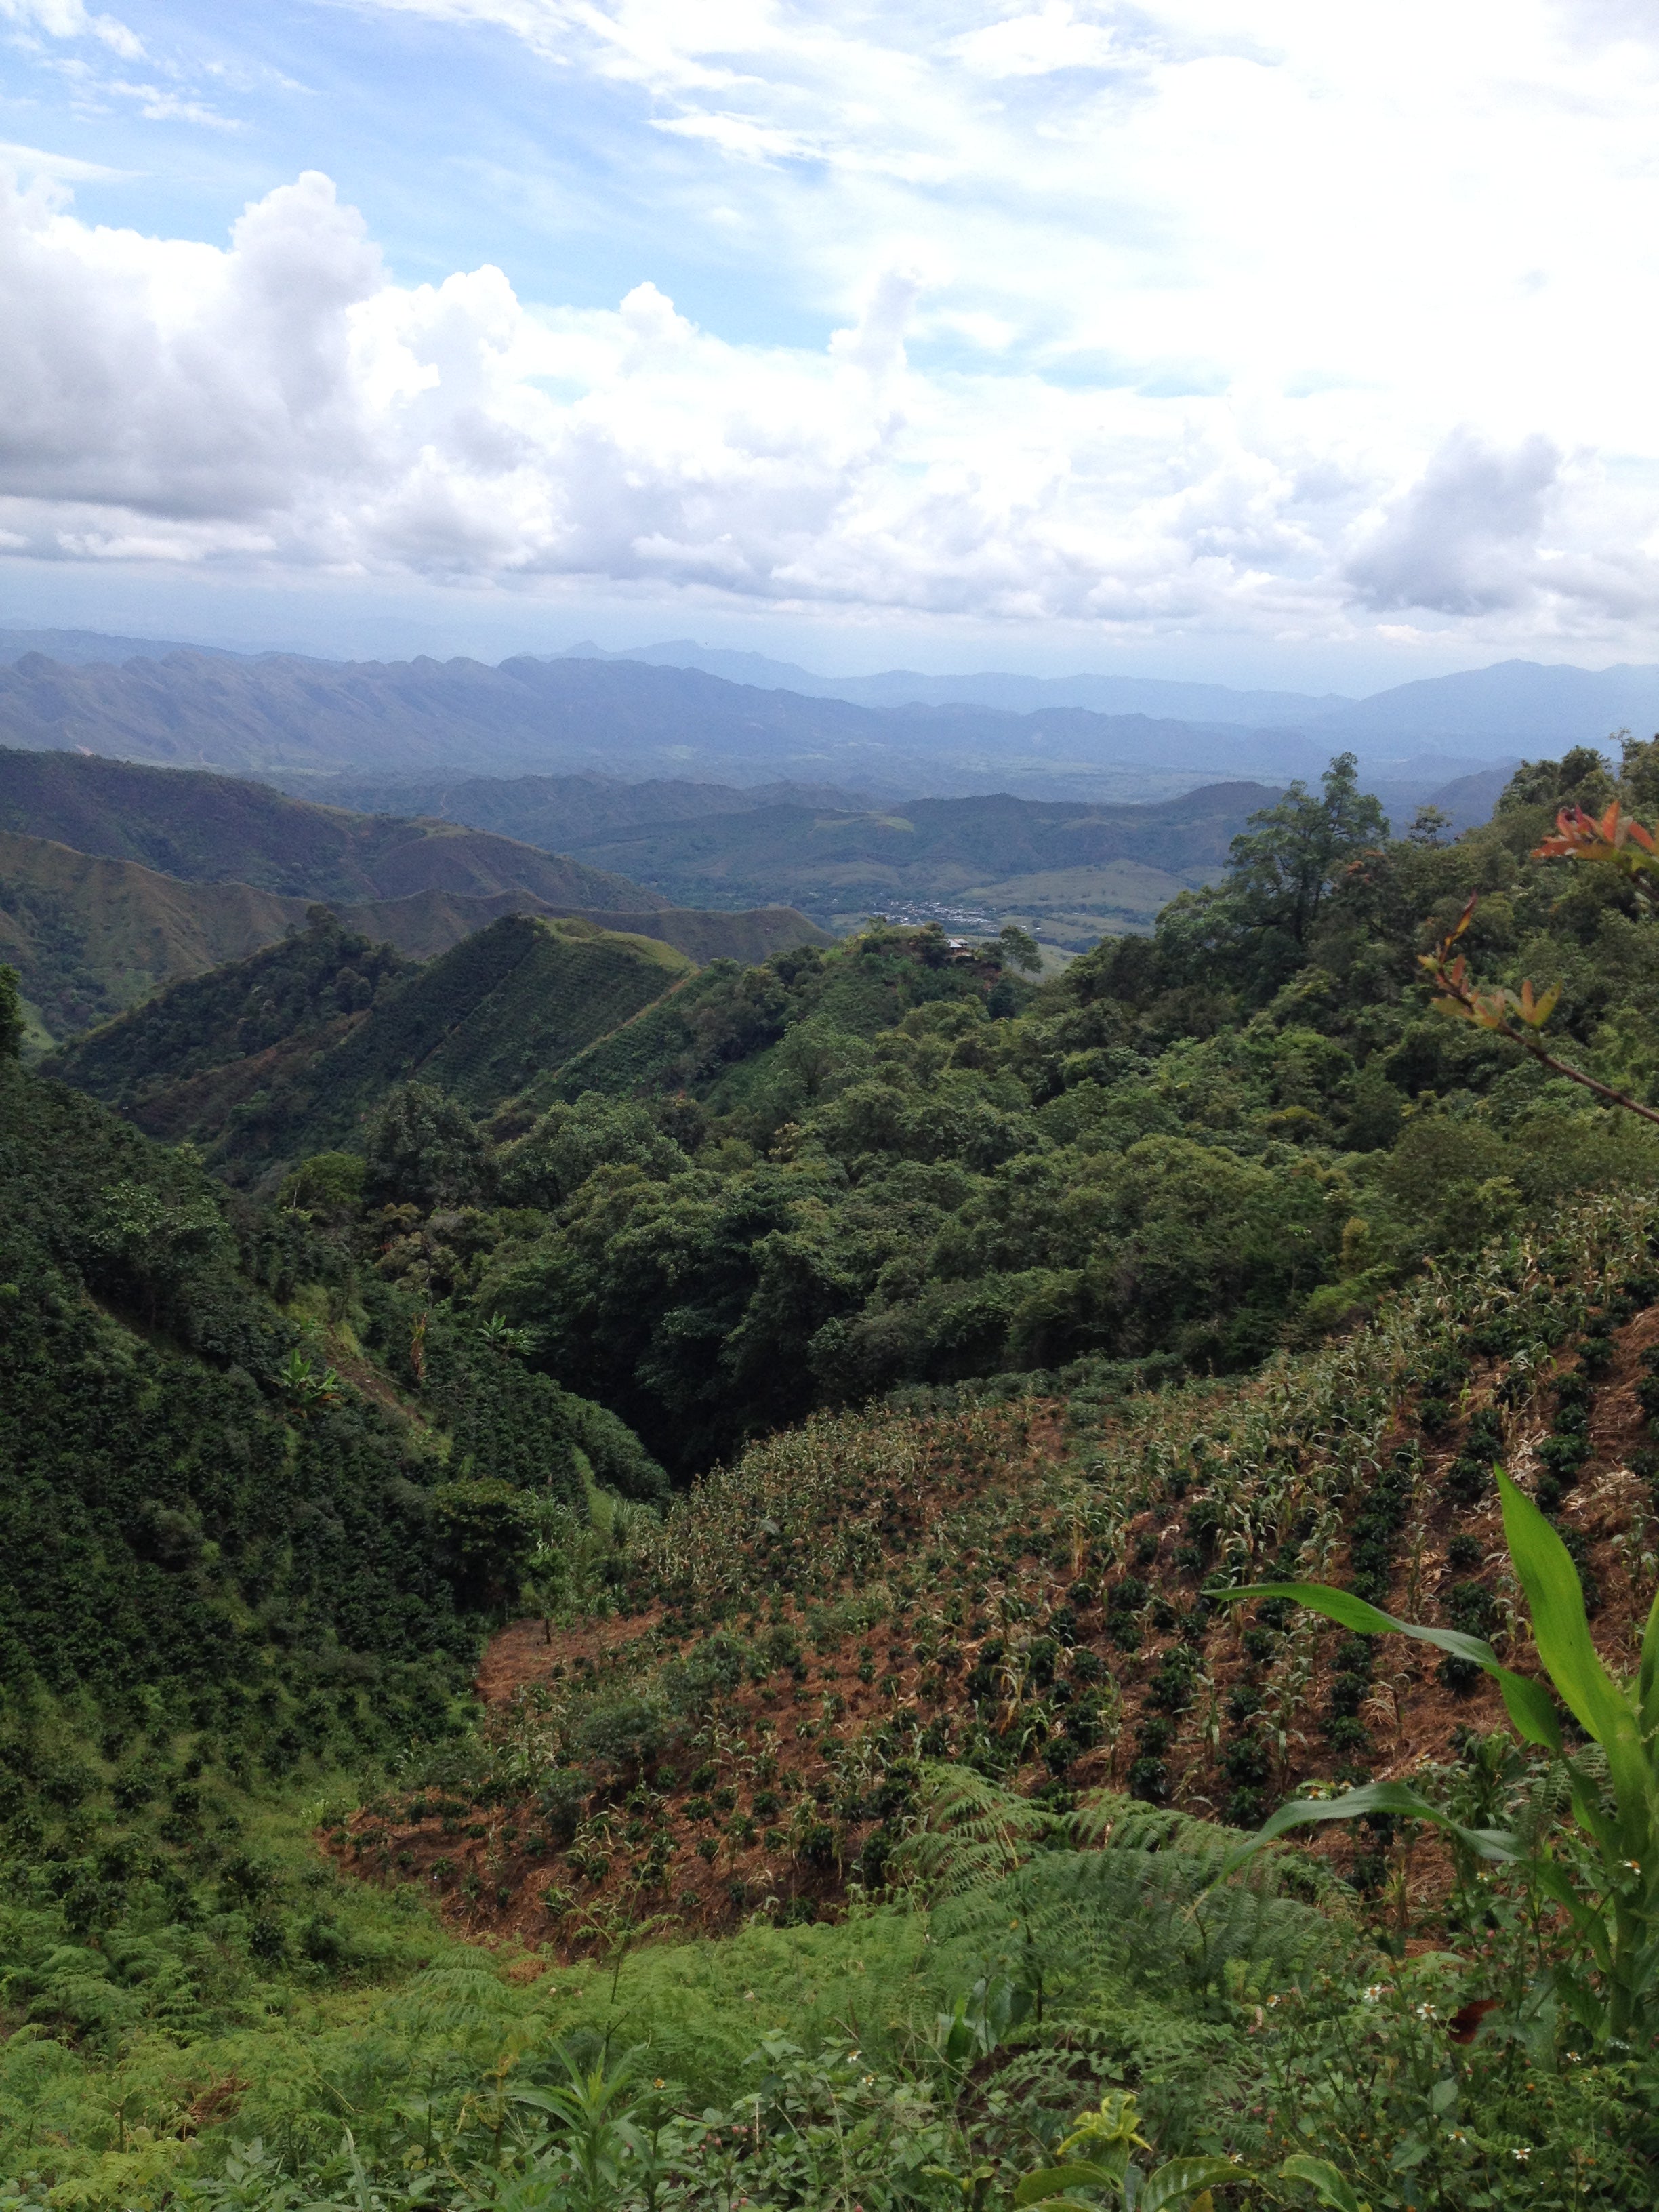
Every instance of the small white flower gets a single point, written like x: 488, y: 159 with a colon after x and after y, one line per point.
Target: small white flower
x: 1377, y: 1990
x: 1521, y: 2155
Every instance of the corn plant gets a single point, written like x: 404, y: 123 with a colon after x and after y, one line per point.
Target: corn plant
x: 1611, y: 1898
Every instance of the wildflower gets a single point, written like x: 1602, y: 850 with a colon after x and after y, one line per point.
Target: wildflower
x: 1377, y: 1990
x: 1521, y: 2155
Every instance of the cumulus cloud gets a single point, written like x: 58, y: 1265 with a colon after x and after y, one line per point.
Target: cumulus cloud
x: 280, y: 402
x: 1465, y: 538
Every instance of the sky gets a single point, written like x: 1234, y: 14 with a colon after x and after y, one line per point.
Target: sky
x: 1275, y: 341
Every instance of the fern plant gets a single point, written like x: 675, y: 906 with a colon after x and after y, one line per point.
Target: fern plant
x: 1113, y: 1887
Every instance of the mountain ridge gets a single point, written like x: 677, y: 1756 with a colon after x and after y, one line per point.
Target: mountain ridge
x: 204, y: 828
x: 1506, y: 701
x: 293, y: 719
x: 93, y: 937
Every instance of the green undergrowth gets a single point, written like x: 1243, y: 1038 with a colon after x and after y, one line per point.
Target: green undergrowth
x: 880, y: 2061
x: 322, y: 2006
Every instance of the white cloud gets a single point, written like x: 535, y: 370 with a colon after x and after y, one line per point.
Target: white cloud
x: 68, y: 19
x: 1200, y: 314
x: 1466, y: 537
x: 1034, y: 45
x: 32, y: 161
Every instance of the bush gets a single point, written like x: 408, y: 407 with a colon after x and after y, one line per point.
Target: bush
x: 624, y: 1732
x: 485, y: 1529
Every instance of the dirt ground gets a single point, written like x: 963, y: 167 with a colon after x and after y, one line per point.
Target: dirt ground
x: 496, y: 1874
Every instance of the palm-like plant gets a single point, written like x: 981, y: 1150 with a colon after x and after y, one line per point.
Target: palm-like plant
x: 1613, y: 1790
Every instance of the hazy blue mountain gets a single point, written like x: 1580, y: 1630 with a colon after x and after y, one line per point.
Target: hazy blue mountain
x: 1012, y: 694
x: 1523, y: 705
x: 76, y: 648
x: 278, y: 713
x: 638, y: 719
x: 1466, y: 802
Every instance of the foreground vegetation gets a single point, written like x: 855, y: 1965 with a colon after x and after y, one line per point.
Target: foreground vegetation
x: 856, y: 1813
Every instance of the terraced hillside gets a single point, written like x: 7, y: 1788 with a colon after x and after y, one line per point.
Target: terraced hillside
x: 740, y: 1708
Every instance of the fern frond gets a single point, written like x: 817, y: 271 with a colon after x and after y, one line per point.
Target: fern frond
x: 969, y: 1832
x: 460, y: 2000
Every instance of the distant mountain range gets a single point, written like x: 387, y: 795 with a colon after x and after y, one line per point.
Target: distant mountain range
x: 1011, y: 694
x: 556, y: 810
x: 77, y: 649
x: 305, y: 724
x: 293, y: 719
x: 1513, y: 706
x: 1072, y: 872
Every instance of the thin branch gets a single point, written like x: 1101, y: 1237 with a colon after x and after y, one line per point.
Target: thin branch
x: 1496, y: 1010
x: 1578, y: 1075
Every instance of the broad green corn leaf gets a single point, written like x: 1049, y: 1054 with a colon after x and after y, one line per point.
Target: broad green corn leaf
x: 1320, y: 2175
x: 1395, y: 1798
x: 1648, y: 1678
x: 1051, y: 2181
x: 1527, y: 1703
x: 1181, y: 2179
x: 1555, y: 1599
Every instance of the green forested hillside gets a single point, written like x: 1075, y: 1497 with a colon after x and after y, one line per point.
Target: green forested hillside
x: 90, y: 938
x: 292, y: 1049
x: 891, y: 1164
x: 224, y: 1563
x: 116, y: 879
x: 843, y: 1830
x: 213, y: 828
x: 185, y: 1495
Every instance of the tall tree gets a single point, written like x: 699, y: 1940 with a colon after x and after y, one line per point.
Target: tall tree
x: 11, y: 1014
x: 1286, y: 861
